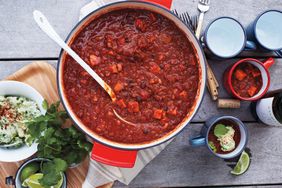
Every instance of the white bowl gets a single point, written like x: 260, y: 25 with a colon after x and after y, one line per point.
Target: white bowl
x: 15, y: 88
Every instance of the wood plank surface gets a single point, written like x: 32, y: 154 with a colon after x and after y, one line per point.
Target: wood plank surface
x: 20, y: 37
x: 182, y: 165
x: 208, y: 107
x: 42, y: 77
x: 179, y: 164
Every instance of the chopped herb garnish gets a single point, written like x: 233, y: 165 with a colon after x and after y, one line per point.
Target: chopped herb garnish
x: 63, y: 146
x: 220, y: 130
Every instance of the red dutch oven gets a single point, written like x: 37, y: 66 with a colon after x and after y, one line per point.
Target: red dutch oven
x: 121, y: 154
x: 263, y: 68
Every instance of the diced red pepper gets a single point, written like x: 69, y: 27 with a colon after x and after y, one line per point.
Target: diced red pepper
x: 118, y: 87
x: 121, y: 103
x: 133, y: 106
x: 252, y: 91
x: 158, y: 114
x: 240, y: 75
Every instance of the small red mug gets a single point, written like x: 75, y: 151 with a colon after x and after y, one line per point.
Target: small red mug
x: 262, y: 66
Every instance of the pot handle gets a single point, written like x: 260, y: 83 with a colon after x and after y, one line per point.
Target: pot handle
x: 268, y: 63
x: 165, y: 3
x: 114, y: 157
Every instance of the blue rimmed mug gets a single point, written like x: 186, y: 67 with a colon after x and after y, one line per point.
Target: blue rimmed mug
x: 202, y: 139
x: 267, y: 30
x: 225, y: 37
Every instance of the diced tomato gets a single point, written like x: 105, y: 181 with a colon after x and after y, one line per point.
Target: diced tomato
x: 119, y: 67
x: 155, y: 68
x: 113, y: 68
x: 121, y: 103
x: 158, y: 114
x: 252, y: 91
x: 240, y: 74
x: 256, y: 73
x: 133, y: 106
x: 144, y: 94
x: 183, y: 94
x: 140, y: 25
x: 118, y: 87
x: 94, y: 60
x: 165, y: 38
x: 84, y: 73
x: 172, y: 111
x: 111, y: 52
x: 83, y: 81
x: 161, y: 57
x: 121, y: 41
x: 152, y: 17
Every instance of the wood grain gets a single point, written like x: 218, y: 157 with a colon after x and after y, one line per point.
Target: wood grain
x: 180, y: 165
x: 42, y: 77
x: 23, y: 38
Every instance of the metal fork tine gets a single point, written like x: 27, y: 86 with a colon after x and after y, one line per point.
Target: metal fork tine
x: 175, y: 12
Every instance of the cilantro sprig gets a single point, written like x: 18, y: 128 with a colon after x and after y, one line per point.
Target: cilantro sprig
x: 63, y: 146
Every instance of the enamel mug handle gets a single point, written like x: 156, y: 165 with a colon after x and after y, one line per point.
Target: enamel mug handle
x: 250, y: 45
x: 198, y: 141
x: 268, y: 63
x: 113, y: 157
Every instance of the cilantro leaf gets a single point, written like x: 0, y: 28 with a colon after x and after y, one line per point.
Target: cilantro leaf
x: 60, y: 164
x: 220, y: 130
x: 63, y: 146
x: 212, y: 146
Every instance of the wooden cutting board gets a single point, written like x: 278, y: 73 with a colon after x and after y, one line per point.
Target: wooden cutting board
x: 42, y: 76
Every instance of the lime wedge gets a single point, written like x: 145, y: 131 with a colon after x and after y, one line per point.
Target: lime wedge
x: 33, y: 181
x: 242, y: 165
x: 28, y: 170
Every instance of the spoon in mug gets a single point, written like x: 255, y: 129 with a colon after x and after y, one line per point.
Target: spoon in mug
x: 45, y: 26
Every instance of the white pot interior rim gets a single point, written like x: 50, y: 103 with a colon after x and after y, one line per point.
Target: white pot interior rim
x: 190, y: 36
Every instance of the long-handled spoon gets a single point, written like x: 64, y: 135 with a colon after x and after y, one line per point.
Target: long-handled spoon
x: 45, y: 26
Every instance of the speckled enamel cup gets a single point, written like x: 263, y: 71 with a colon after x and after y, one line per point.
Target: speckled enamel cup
x: 202, y: 139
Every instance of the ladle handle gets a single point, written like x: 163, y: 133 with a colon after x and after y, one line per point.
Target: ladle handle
x: 45, y: 26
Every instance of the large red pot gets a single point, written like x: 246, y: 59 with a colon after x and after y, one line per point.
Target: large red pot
x: 120, y: 154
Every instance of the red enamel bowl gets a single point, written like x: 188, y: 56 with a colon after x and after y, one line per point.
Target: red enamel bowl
x: 121, y: 154
x: 263, y: 68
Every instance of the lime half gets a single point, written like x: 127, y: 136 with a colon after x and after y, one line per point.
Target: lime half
x: 28, y: 170
x: 242, y: 165
x: 33, y: 181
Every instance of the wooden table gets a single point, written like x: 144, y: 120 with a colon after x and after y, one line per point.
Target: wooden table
x: 21, y: 42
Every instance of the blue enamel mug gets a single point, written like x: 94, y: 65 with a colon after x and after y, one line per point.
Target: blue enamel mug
x: 267, y: 30
x: 202, y: 139
x: 225, y: 37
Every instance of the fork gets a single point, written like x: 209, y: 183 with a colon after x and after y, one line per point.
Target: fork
x: 190, y: 21
x: 203, y: 7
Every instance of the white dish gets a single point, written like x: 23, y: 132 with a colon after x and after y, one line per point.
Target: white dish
x: 15, y: 88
